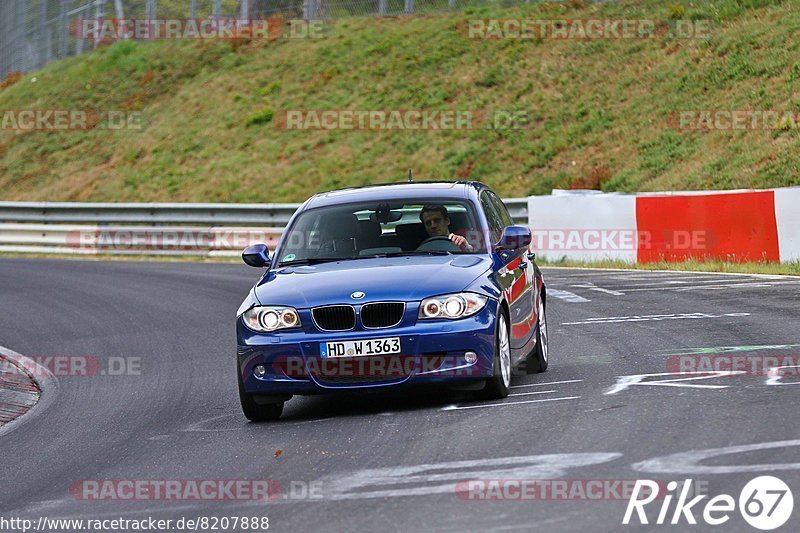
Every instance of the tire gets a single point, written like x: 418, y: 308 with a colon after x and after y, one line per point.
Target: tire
x: 538, y: 360
x: 256, y: 412
x: 497, y: 386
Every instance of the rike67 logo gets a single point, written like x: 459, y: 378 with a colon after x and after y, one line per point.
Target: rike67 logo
x: 765, y: 503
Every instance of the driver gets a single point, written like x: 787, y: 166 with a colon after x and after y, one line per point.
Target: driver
x: 437, y: 224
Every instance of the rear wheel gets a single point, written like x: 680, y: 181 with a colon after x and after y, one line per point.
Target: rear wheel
x: 497, y: 386
x: 255, y: 411
x: 538, y: 360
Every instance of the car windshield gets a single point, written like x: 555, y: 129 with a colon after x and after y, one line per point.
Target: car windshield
x: 380, y: 229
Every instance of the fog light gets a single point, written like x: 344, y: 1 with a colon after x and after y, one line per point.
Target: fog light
x: 260, y: 371
x: 470, y: 357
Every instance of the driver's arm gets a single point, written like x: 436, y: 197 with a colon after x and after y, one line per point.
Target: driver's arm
x: 461, y: 242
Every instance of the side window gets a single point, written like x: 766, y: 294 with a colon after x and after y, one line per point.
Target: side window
x: 494, y: 218
x: 501, y: 208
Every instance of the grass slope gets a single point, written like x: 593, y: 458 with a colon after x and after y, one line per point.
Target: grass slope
x: 601, y: 109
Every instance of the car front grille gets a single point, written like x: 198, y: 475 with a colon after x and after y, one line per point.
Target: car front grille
x: 334, y: 317
x: 382, y: 314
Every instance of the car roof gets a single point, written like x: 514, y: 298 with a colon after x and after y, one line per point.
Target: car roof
x: 445, y: 190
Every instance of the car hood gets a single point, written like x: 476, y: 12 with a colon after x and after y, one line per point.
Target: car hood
x: 406, y: 278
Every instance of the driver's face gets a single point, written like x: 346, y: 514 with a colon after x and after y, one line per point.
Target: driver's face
x: 435, y: 224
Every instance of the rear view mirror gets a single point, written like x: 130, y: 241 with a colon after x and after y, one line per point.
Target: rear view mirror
x: 256, y: 255
x: 514, y: 238
x: 384, y: 214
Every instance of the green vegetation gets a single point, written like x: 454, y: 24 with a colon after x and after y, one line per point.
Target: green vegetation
x: 602, y: 110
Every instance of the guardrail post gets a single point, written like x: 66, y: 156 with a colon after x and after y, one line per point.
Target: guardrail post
x: 409, y: 6
x: 383, y: 7
x: 21, y: 36
x: 44, y: 38
x: 99, y: 14
x: 217, y: 9
x: 192, y: 9
x: 309, y: 11
x: 63, y: 21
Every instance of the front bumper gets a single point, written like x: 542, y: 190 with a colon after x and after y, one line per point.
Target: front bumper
x: 432, y: 351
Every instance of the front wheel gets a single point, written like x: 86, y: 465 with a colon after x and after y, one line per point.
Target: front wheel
x: 254, y: 411
x: 497, y: 386
x: 538, y: 360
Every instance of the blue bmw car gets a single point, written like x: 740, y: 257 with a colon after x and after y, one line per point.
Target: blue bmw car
x: 388, y: 286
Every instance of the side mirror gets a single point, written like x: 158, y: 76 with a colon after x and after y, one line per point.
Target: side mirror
x: 256, y: 255
x: 514, y: 238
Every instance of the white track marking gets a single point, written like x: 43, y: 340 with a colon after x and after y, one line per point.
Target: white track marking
x: 665, y: 281
x: 531, y: 393
x: 608, y: 291
x: 566, y: 296
x: 592, y: 287
x: 754, y: 284
x: 689, y: 462
x: 458, y: 407
x: 624, y: 382
x: 446, y: 477
x: 548, y: 383
x: 651, y: 318
x: 729, y: 349
x: 775, y: 376
x: 214, y: 421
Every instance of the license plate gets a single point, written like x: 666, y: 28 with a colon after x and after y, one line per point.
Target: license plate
x: 386, y: 346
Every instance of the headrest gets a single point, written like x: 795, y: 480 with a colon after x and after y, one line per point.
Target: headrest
x: 341, y: 225
x: 369, y: 228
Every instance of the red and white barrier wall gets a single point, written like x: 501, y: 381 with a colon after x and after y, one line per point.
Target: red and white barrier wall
x: 751, y: 225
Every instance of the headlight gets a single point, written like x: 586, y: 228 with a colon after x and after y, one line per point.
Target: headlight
x: 268, y: 319
x: 452, y: 306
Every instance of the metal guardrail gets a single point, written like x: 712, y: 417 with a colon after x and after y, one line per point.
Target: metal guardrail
x: 151, y: 228
x: 132, y: 240
x: 149, y: 213
x: 518, y: 209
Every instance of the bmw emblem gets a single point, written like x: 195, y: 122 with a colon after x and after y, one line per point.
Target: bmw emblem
x: 357, y: 295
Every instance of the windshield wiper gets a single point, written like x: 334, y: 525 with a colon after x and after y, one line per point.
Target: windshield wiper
x: 315, y: 260
x: 415, y: 252
x: 312, y: 261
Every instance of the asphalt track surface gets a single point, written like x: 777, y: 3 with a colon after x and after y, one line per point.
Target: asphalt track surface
x: 391, y: 461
